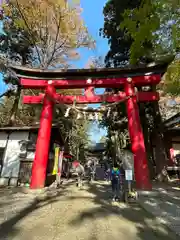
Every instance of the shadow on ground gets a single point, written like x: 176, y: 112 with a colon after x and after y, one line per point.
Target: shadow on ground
x: 8, y: 227
x: 145, y: 222
x: 100, y: 193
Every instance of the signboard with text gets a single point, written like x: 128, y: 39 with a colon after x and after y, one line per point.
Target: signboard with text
x: 129, y: 175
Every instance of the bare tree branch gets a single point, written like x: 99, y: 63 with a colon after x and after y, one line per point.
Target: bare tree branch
x: 55, y: 42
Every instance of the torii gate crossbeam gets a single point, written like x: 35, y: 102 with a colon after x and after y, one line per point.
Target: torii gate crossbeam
x: 68, y: 99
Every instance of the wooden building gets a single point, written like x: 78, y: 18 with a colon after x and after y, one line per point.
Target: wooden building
x: 17, y: 151
x: 96, y: 152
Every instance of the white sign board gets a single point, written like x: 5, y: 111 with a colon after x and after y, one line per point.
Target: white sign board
x: 129, y: 175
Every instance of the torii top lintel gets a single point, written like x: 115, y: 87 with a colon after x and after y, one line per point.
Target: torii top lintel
x: 82, y: 78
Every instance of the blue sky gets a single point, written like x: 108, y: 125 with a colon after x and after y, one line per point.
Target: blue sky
x: 93, y: 17
x: 2, y: 84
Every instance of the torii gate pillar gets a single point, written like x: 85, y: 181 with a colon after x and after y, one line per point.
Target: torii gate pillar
x: 137, y: 139
x: 38, y: 176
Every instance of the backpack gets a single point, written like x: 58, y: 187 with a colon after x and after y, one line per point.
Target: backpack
x: 115, y: 173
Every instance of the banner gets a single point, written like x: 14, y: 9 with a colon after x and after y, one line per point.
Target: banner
x: 60, y: 162
x: 56, y: 159
x: 58, y: 175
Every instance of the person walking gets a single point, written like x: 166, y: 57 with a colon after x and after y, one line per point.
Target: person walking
x: 107, y: 171
x: 80, y: 171
x: 115, y: 181
x: 91, y: 169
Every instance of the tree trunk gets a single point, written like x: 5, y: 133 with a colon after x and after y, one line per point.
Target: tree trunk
x: 160, y: 151
x: 15, y: 106
x: 17, y: 96
x: 147, y: 142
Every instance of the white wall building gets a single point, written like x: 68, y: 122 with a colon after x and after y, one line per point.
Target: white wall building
x: 17, y: 146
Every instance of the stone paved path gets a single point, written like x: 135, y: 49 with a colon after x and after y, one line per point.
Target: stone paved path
x: 75, y: 214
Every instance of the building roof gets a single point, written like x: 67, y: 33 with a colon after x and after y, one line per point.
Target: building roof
x: 155, y: 68
x: 173, y: 123
x: 24, y: 128
x: 98, y: 147
x: 33, y: 127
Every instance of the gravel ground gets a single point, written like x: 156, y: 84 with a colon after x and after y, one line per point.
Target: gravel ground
x: 73, y: 214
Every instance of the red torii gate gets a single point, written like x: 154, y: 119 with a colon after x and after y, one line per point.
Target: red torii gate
x: 90, y: 79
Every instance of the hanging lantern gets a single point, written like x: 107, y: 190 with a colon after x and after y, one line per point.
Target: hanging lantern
x: 79, y: 116
x: 115, y: 114
x: 67, y: 112
x: 100, y: 117
x: 96, y: 116
x: 103, y: 108
x: 84, y: 114
x: 135, y: 90
x: 91, y: 117
x: 108, y: 112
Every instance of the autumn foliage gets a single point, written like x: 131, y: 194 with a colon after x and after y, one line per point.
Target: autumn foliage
x: 54, y: 28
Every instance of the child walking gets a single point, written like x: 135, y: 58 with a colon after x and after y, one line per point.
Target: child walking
x: 115, y: 181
